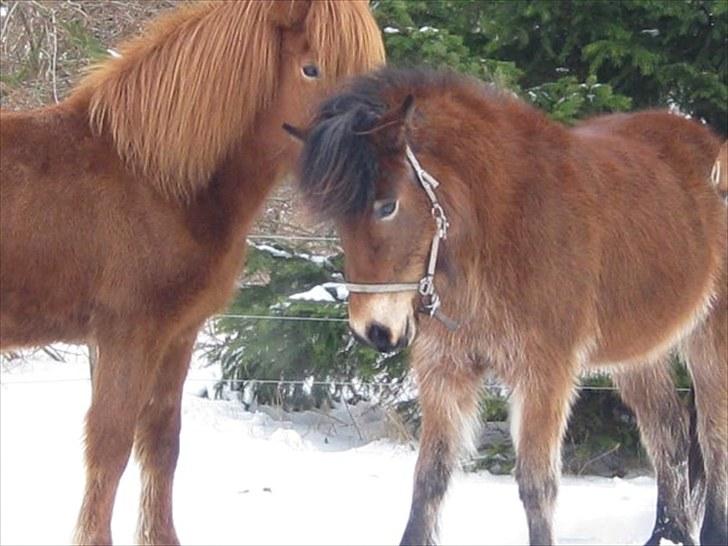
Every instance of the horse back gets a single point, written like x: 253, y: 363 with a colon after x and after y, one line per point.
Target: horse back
x: 663, y: 245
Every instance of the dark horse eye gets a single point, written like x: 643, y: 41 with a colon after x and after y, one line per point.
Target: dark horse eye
x: 386, y: 208
x: 311, y: 71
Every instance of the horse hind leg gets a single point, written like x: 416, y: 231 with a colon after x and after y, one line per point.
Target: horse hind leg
x: 706, y: 352
x: 156, y: 444
x: 449, y: 393
x: 663, y: 421
x: 117, y: 393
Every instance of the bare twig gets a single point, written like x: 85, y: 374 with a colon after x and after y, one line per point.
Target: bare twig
x: 601, y: 455
x: 54, y: 55
x: 8, y: 16
x: 353, y: 421
x: 53, y: 353
x: 399, y: 426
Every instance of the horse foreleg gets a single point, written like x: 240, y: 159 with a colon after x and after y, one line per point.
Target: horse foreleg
x: 448, y: 396
x: 120, y: 379
x: 539, y: 411
x: 663, y: 422
x: 157, y: 444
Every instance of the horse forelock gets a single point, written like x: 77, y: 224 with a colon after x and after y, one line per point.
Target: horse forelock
x: 182, y: 94
x: 346, y: 36
x: 338, y: 165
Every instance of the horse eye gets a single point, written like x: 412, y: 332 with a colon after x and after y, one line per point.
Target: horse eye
x: 310, y: 71
x: 385, y: 209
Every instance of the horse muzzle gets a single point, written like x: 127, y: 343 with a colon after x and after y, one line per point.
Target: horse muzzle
x: 381, y: 337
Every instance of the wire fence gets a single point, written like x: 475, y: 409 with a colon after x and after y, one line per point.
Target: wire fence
x: 306, y: 382
x: 280, y: 317
x: 311, y: 238
x: 302, y: 382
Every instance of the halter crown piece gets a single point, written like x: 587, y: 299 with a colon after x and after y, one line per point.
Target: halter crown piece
x: 426, y: 286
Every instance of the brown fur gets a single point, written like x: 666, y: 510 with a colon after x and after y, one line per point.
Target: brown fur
x: 125, y: 207
x: 601, y: 246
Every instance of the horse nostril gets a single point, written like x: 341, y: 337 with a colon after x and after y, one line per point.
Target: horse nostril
x: 380, y: 336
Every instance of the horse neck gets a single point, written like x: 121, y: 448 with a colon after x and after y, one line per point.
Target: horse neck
x: 226, y: 209
x: 223, y: 210
x: 484, y: 188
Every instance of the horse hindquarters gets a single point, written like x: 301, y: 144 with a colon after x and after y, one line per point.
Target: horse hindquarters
x: 706, y: 352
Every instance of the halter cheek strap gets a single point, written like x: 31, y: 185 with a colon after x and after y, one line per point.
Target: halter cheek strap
x: 426, y: 286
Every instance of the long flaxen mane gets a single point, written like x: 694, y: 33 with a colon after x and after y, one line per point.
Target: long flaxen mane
x: 182, y: 94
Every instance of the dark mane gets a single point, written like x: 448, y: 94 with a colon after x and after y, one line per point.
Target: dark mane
x: 339, y: 166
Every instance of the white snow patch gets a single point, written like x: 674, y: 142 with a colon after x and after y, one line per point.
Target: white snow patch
x: 271, y: 477
x: 273, y: 251
x: 674, y: 108
x: 429, y: 29
x: 391, y: 30
x: 339, y: 289
x: 317, y: 293
x: 326, y: 292
x: 318, y: 260
x: 290, y: 438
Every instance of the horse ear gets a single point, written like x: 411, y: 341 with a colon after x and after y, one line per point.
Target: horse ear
x: 298, y: 134
x: 407, y: 109
x: 391, y: 129
x: 289, y: 13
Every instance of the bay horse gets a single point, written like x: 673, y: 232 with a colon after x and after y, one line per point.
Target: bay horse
x: 543, y: 251
x: 125, y: 209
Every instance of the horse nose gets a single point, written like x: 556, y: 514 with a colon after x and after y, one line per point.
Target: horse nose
x: 381, y: 337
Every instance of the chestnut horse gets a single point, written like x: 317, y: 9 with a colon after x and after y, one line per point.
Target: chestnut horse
x: 125, y: 208
x: 544, y: 251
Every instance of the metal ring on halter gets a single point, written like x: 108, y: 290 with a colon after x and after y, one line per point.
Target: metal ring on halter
x: 426, y: 286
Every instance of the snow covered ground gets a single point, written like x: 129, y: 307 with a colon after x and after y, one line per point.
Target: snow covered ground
x: 247, y: 478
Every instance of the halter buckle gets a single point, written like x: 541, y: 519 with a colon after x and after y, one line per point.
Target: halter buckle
x: 427, y: 286
x: 440, y: 220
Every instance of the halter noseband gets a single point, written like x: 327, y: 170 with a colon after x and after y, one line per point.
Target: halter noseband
x: 426, y: 286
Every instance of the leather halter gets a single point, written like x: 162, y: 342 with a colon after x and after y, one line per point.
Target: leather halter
x: 430, y: 301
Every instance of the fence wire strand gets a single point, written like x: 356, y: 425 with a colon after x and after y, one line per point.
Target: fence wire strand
x: 304, y: 382
x: 311, y: 238
x: 359, y: 384
x: 280, y: 317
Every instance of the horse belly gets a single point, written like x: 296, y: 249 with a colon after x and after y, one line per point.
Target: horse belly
x: 39, y: 309
x: 655, y: 305
x: 643, y: 339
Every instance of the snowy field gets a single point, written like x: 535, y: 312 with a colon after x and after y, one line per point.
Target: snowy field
x: 259, y: 478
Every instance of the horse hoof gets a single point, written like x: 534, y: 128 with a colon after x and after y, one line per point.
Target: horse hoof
x: 676, y: 536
